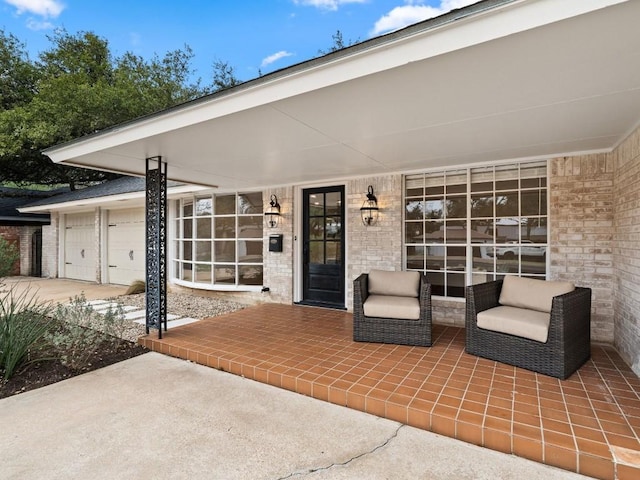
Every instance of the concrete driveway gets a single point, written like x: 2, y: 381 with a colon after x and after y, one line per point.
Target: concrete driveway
x: 60, y: 290
x: 159, y: 417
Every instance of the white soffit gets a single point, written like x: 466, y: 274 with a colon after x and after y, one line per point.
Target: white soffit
x: 531, y: 79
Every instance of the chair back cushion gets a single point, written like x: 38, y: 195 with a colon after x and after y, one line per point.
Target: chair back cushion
x: 396, y: 284
x: 531, y: 293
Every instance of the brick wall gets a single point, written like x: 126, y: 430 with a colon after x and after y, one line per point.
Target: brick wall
x: 50, y: 247
x: 12, y: 235
x: 626, y: 250
x: 377, y: 246
x: 581, y: 222
x: 278, y: 266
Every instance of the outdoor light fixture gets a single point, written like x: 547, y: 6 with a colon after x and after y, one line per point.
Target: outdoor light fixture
x: 369, y: 209
x: 273, y: 212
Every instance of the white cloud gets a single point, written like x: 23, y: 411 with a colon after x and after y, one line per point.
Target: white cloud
x: 412, y: 12
x: 42, y: 8
x: 33, y: 24
x: 275, y: 57
x: 326, y: 4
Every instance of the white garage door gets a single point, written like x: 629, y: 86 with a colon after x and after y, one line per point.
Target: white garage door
x: 79, y: 249
x: 126, y: 246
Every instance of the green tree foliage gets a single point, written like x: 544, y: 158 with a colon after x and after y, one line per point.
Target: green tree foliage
x: 77, y: 88
x: 338, y: 43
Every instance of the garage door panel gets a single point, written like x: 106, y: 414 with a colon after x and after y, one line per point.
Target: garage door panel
x: 126, y: 246
x: 79, y: 248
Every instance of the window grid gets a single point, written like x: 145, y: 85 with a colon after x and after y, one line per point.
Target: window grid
x: 477, y: 224
x: 219, y: 239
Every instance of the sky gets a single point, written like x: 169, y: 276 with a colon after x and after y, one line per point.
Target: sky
x: 252, y: 36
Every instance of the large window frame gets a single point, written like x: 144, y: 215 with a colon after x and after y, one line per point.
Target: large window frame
x: 219, y: 241
x: 471, y: 225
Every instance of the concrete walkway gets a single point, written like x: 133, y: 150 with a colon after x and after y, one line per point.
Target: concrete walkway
x: 158, y: 417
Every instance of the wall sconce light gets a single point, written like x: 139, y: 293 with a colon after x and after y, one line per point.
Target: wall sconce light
x: 369, y: 209
x: 272, y: 214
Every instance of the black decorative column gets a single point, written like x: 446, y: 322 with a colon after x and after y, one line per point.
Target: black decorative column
x: 156, y: 223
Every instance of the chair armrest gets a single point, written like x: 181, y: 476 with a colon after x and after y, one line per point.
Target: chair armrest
x: 483, y: 296
x: 424, y: 296
x: 571, y: 314
x: 360, y: 292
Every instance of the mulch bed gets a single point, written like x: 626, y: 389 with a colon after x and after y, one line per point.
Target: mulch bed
x: 47, y: 372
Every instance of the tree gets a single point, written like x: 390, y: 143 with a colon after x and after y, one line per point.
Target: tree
x: 17, y: 74
x: 338, y: 43
x: 75, y: 89
x: 223, y: 76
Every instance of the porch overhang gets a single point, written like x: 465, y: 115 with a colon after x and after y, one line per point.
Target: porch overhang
x: 499, y: 80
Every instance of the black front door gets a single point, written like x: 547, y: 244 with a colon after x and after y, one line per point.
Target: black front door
x: 323, y: 246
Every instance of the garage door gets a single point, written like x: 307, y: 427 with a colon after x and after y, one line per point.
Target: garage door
x: 79, y: 249
x: 126, y: 246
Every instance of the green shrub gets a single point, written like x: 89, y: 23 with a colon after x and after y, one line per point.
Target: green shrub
x: 23, y: 326
x: 81, y: 330
x: 9, y: 255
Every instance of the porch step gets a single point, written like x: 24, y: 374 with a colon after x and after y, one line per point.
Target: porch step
x: 135, y: 314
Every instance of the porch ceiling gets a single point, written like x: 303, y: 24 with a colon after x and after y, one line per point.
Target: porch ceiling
x: 525, y: 79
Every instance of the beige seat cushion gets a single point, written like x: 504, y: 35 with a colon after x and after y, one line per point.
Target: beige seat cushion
x: 522, y: 322
x: 385, y: 306
x: 397, y: 284
x: 531, y: 293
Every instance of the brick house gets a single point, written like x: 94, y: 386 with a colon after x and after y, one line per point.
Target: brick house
x: 24, y: 230
x: 503, y: 125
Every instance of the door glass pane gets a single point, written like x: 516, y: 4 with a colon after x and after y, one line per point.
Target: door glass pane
x: 333, y: 202
x: 333, y: 227
x: 333, y: 253
x: 316, y: 204
x: 316, y: 228
x: 316, y: 252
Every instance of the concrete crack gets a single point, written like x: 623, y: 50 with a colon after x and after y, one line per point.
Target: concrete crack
x: 342, y: 464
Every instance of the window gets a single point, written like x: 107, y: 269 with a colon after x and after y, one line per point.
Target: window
x: 475, y: 225
x: 219, y: 239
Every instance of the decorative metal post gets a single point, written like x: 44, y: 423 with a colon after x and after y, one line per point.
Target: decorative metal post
x: 156, y: 224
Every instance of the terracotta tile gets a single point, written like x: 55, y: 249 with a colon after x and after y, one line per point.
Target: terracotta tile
x: 497, y: 440
x: 627, y: 472
x: 470, y: 433
x: 527, y: 448
x: 356, y: 401
x: 443, y: 425
x: 560, y: 457
x: 375, y: 407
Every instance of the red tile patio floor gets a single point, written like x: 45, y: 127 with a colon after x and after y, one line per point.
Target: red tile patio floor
x: 589, y: 423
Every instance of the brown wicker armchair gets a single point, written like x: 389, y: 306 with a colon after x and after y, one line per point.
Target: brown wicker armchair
x: 414, y: 302
x: 568, y: 343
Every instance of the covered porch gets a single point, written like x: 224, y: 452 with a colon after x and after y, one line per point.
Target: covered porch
x: 589, y: 423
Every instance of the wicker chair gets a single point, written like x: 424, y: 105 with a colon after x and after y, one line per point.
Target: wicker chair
x: 568, y: 344
x: 392, y: 330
